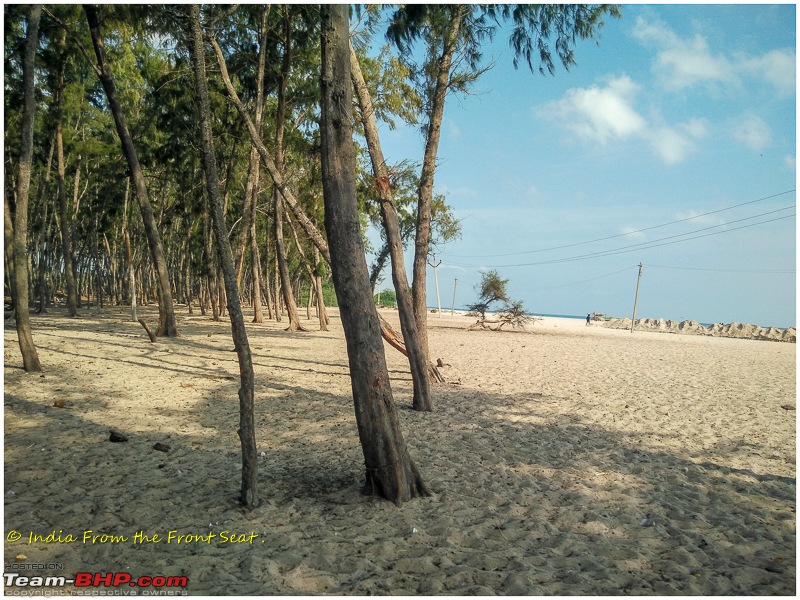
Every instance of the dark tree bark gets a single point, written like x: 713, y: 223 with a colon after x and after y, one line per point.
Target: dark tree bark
x: 390, y: 471
x: 167, y: 326
x: 308, y: 226
x: 249, y: 491
x: 30, y: 358
x: 408, y: 324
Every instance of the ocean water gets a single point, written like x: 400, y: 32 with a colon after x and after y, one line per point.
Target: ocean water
x: 446, y: 311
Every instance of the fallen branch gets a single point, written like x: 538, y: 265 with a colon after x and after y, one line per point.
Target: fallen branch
x: 150, y: 334
x: 396, y: 342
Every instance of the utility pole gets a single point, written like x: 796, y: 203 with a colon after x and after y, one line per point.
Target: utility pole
x: 436, y: 279
x: 453, y: 310
x: 636, y: 298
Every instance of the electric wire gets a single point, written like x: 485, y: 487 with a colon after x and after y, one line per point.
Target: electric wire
x: 553, y: 287
x: 647, y: 245
x: 611, y: 237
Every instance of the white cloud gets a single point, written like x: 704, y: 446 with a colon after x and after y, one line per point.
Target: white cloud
x: 602, y: 114
x: 790, y: 162
x: 686, y: 62
x: 682, y: 63
x: 674, y: 144
x: 671, y: 145
x: 777, y: 67
x: 753, y: 132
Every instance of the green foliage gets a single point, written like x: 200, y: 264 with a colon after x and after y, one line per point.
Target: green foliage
x: 538, y: 31
x: 492, y: 287
x: 386, y: 297
x: 514, y: 314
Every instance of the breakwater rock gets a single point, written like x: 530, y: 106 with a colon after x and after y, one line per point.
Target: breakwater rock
x: 734, y: 330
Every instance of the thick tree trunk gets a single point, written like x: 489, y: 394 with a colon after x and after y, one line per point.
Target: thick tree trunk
x: 425, y: 191
x: 308, y: 226
x: 249, y: 491
x: 30, y: 358
x: 408, y: 325
x: 390, y: 471
x: 167, y: 325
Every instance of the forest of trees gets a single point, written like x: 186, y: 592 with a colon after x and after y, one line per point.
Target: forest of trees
x: 203, y: 158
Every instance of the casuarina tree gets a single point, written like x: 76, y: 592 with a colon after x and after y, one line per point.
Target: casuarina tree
x: 390, y: 472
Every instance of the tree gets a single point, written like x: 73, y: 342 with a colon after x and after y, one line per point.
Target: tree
x: 280, y: 128
x: 390, y: 471
x: 408, y: 324
x: 167, y: 325
x: 492, y: 288
x: 249, y: 492
x: 30, y: 358
x: 65, y: 221
x: 452, y: 35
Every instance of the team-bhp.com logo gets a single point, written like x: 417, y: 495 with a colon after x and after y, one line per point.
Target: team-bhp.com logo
x: 157, y: 583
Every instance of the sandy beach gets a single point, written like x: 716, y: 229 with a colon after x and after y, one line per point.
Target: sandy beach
x: 565, y: 459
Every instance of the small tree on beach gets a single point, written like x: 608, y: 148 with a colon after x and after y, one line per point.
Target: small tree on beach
x: 492, y: 289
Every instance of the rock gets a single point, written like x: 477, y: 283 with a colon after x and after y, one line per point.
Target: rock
x: 116, y: 436
x: 161, y: 447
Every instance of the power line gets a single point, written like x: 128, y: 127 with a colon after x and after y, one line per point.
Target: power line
x: 611, y: 237
x: 779, y: 271
x: 582, y: 281
x: 645, y: 245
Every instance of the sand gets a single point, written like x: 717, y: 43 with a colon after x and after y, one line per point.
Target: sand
x: 567, y: 459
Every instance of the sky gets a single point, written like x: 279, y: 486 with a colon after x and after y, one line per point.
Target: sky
x: 671, y: 143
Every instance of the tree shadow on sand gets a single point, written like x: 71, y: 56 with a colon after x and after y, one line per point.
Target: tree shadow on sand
x: 527, y: 501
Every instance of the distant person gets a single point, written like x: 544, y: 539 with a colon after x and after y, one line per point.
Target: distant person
x: 588, y: 318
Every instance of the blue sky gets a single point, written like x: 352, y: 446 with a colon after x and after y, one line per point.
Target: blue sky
x: 565, y: 183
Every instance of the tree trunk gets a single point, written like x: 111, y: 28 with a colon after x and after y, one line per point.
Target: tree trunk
x: 249, y: 491
x: 64, y: 218
x: 280, y: 128
x: 266, y: 159
x: 258, y: 313
x: 30, y: 358
x: 322, y: 314
x: 167, y: 325
x: 42, y: 242
x: 308, y: 226
x: 408, y: 325
x: 390, y: 471
x: 425, y: 191
x: 208, y: 258
x: 8, y: 245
